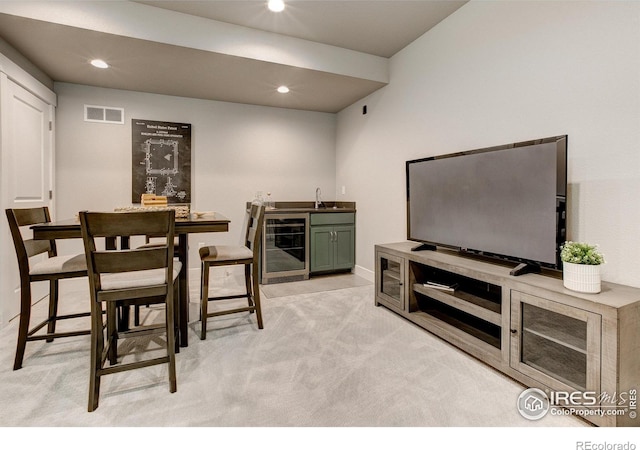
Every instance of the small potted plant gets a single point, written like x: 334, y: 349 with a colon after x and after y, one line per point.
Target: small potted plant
x: 581, y: 266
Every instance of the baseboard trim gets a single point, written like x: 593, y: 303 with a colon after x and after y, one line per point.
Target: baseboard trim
x: 367, y: 274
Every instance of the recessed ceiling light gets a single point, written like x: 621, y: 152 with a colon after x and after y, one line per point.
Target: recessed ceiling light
x: 283, y: 89
x: 100, y: 64
x: 276, y: 5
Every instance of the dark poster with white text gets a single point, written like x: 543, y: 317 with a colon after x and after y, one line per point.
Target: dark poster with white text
x: 161, y: 163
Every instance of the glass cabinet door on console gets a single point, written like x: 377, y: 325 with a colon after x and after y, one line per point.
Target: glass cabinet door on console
x: 556, y: 344
x: 389, y: 280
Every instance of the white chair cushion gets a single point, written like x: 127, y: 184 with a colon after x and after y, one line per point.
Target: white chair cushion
x: 60, y: 264
x: 138, y: 279
x: 159, y: 244
x: 225, y: 253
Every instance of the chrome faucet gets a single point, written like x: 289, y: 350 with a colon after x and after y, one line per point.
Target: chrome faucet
x: 318, y: 198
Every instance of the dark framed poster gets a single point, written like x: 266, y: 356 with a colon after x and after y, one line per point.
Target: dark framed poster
x: 161, y: 163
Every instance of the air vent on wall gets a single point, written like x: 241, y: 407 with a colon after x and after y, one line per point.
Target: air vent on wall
x: 104, y: 114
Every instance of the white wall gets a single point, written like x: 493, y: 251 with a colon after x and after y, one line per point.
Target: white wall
x: 497, y: 72
x: 236, y: 151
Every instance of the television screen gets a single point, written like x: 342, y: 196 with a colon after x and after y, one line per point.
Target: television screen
x: 507, y: 201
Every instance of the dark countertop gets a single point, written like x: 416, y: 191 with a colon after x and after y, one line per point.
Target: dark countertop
x: 303, y: 207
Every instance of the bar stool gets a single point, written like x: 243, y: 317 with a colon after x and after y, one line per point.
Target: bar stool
x: 129, y: 277
x: 52, y: 269
x: 227, y: 255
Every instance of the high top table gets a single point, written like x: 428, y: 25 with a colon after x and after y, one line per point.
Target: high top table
x: 208, y: 223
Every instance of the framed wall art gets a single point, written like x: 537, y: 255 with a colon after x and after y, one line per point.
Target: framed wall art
x: 161, y: 160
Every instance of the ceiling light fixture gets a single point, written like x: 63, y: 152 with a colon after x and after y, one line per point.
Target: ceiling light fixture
x: 100, y: 64
x: 283, y: 89
x: 276, y: 5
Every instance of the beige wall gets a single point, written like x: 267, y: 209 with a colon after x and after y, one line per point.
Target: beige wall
x: 499, y: 72
x: 236, y: 151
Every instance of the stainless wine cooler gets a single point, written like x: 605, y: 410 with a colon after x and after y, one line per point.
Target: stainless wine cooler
x: 285, y: 248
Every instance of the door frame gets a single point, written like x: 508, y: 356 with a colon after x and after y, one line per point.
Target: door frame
x: 10, y: 72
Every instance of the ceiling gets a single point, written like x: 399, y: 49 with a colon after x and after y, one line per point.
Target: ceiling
x: 330, y: 53
x: 378, y: 27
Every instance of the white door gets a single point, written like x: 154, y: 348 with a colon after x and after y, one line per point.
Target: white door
x: 26, y: 169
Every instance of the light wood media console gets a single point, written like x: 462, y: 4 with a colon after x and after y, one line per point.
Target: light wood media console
x: 529, y: 327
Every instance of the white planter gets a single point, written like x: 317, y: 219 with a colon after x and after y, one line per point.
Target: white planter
x: 581, y: 277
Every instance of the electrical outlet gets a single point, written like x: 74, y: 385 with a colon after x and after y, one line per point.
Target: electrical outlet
x: 344, y: 190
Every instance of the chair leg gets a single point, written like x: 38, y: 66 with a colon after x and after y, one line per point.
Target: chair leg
x: 23, y: 327
x: 171, y: 340
x: 176, y: 316
x: 124, y: 314
x: 97, y: 348
x: 256, y: 297
x: 53, y: 308
x: 201, y: 281
x: 247, y: 282
x: 204, y: 300
x: 112, y: 332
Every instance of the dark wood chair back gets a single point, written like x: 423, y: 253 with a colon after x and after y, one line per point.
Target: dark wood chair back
x: 255, y: 224
x: 26, y: 248
x: 117, y: 225
x: 126, y: 277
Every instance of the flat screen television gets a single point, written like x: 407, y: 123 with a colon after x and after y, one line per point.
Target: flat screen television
x: 506, y: 202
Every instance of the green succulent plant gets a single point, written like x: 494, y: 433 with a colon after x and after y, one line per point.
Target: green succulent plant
x: 581, y: 253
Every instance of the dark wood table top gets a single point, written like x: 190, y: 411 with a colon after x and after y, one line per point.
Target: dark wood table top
x: 70, y: 228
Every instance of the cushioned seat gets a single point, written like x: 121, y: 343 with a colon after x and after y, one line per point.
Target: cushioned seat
x: 140, y: 278
x: 51, y: 269
x: 60, y: 264
x: 148, y: 243
x: 219, y: 253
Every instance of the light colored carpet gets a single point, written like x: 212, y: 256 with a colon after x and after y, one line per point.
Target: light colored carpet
x: 314, y: 284
x: 324, y: 359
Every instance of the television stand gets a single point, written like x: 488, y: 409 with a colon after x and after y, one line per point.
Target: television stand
x: 524, y: 268
x: 528, y: 327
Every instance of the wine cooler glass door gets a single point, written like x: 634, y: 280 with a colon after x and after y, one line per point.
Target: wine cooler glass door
x: 285, y: 249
